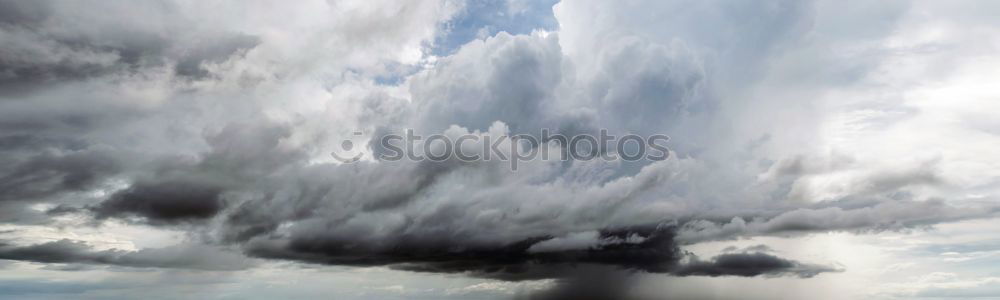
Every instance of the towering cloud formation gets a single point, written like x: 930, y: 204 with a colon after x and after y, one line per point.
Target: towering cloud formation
x: 216, y: 119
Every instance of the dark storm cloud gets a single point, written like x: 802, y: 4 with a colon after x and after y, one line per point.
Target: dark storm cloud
x: 581, y: 283
x: 181, y: 191
x: 750, y: 264
x: 74, y: 252
x: 615, y: 284
x: 650, y: 249
x: 164, y: 202
x: 61, y: 251
x: 59, y: 63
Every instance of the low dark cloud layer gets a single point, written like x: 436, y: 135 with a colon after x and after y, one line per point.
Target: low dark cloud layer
x: 750, y: 264
x: 649, y: 249
x: 67, y: 251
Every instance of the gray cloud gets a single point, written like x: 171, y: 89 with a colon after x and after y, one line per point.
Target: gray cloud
x: 45, y: 43
x: 874, y: 217
x: 751, y: 264
x: 51, y: 172
x: 74, y: 252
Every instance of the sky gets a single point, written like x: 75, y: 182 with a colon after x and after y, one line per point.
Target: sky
x: 188, y: 149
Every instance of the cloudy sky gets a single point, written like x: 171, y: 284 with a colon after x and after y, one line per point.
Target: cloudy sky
x: 182, y: 149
